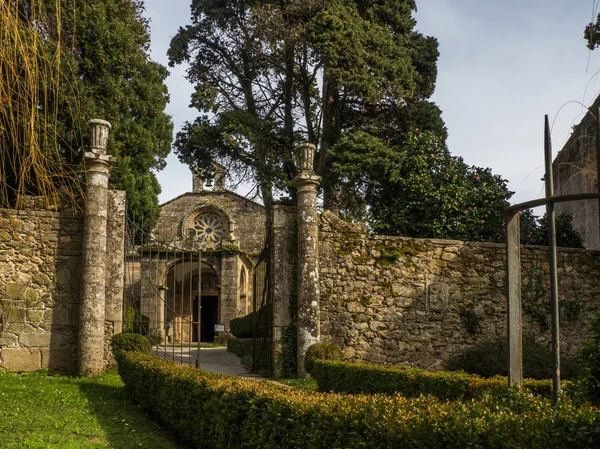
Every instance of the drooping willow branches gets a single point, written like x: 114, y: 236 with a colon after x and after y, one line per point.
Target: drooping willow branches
x: 37, y: 85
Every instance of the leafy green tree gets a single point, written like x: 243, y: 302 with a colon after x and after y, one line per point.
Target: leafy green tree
x: 257, y: 67
x: 591, y: 356
x: 107, y: 43
x: 534, y: 230
x: 592, y: 34
x: 417, y: 188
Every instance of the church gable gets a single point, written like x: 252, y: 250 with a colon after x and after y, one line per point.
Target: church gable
x: 212, y: 217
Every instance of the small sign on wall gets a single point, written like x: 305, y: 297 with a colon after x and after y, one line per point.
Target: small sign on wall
x: 219, y: 328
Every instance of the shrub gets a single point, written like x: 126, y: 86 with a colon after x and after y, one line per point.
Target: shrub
x: 213, y: 411
x: 222, y: 339
x: 491, y: 359
x: 591, y: 354
x: 321, y: 351
x: 134, y: 321
x: 351, y: 377
x: 137, y: 323
x: 239, y: 346
x: 259, y: 320
x: 131, y: 342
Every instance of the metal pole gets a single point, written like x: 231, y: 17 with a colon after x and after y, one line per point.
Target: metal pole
x: 550, y: 216
x: 513, y: 275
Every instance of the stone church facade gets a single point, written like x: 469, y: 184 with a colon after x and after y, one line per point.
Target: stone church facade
x: 217, y: 226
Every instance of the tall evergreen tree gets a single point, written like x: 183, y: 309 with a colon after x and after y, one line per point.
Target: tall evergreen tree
x: 69, y: 61
x: 108, y: 43
x: 412, y: 186
x: 271, y: 74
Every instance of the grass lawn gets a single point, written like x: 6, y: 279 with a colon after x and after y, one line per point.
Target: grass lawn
x: 305, y: 384
x: 41, y: 411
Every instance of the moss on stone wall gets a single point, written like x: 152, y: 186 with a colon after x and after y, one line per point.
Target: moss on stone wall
x: 399, y: 300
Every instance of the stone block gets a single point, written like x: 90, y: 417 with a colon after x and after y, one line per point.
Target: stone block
x: 7, y: 339
x: 35, y: 316
x: 20, y: 359
x: 354, y: 307
x: 349, y: 353
x: 13, y: 224
x: 449, y: 257
x: 15, y: 315
x: 57, y: 316
x: 5, y: 268
x: 22, y: 278
x: 376, y: 325
x: 59, y: 359
x: 40, y: 279
x: 14, y: 327
x: 15, y: 290
x: 32, y: 296
x: 35, y: 340
x: 5, y: 236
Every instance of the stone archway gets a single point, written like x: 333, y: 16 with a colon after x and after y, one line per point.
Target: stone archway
x: 184, y: 291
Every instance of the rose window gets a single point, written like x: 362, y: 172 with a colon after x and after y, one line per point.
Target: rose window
x: 209, y: 227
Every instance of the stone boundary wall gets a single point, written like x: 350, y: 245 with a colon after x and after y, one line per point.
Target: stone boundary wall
x: 40, y: 276
x: 40, y: 280
x: 418, y: 301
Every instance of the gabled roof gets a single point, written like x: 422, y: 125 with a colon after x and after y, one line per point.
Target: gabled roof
x: 209, y: 193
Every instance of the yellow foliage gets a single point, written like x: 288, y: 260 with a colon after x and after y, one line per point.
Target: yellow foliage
x: 30, y: 81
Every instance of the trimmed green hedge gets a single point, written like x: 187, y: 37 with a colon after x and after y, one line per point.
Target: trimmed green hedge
x: 131, y: 342
x: 239, y: 346
x: 321, y: 351
x: 242, y: 327
x: 348, y: 377
x: 221, y: 412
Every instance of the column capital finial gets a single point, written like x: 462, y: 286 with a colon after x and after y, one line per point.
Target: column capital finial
x: 305, y: 157
x: 99, y: 135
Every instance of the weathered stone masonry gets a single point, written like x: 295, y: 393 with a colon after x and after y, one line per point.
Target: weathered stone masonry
x: 61, y: 280
x: 40, y: 285
x: 399, y: 300
x: 40, y: 259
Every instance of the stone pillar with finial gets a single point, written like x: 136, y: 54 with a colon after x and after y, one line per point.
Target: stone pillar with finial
x: 90, y: 360
x: 220, y: 178
x: 197, y: 180
x: 307, y: 184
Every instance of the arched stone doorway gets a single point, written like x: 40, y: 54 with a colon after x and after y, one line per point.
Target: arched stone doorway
x: 185, y: 289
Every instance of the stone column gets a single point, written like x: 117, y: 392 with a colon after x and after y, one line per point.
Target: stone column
x: 90, y: 361
x: 229, y: 288
x: 306, y: 184
x: 115, y: 260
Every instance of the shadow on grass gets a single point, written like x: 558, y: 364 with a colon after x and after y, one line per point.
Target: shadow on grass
x: 126, y: 425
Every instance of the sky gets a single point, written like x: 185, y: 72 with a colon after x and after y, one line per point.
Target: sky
x: 503, y: 65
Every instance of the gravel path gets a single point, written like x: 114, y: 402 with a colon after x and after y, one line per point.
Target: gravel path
x: 214, y: 360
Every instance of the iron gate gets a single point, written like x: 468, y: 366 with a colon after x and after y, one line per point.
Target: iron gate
x: 168, y: 294
x: 173, y: 294
x: 262, y: 322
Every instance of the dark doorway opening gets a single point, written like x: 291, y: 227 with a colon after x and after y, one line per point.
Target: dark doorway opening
x: 209, y: 317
